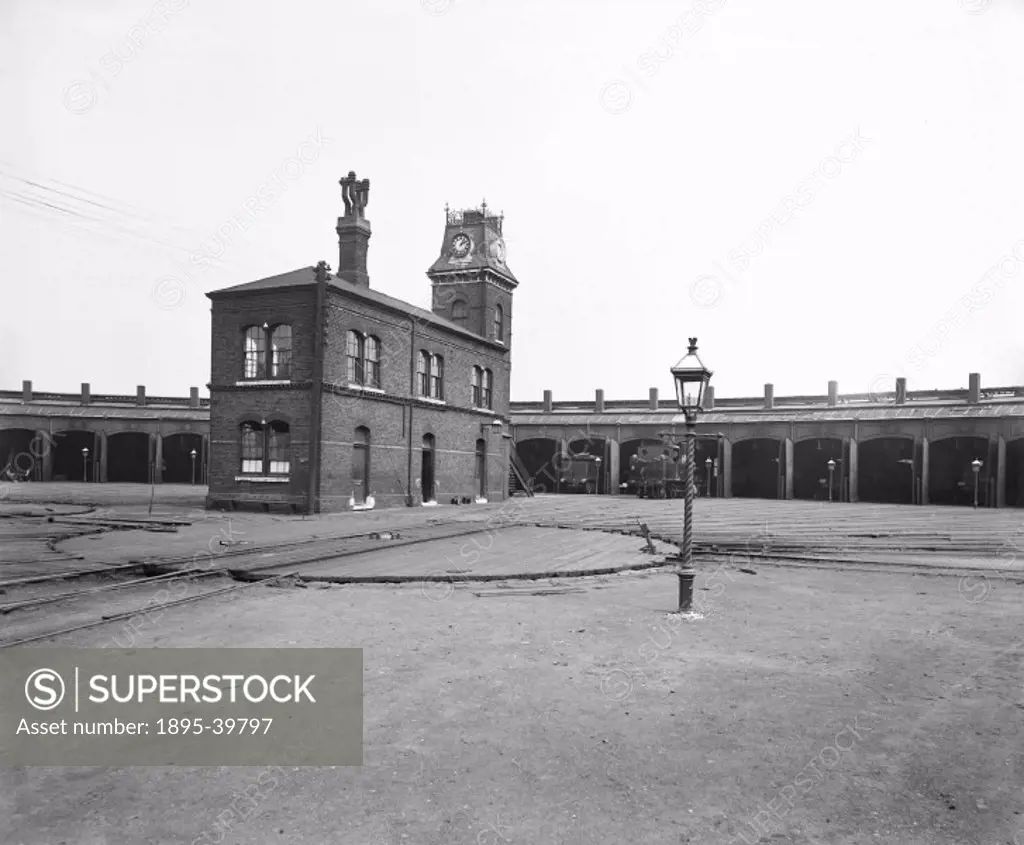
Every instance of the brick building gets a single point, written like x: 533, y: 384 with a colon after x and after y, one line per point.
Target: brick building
x: 326, y: 394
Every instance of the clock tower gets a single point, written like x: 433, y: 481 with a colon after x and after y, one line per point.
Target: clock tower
x: 473, y: 285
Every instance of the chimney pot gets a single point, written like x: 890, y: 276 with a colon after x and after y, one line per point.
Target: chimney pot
x: 974, y: 390
x: 769, y: 396
x: 833, y: 393
x: 709, y: 398
x: 652, y: 400
x: 901, y: 391
x: 85, y: 393
x: 354, y: 231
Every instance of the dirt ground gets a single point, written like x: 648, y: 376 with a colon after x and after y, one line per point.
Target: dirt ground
x: 804, y: 706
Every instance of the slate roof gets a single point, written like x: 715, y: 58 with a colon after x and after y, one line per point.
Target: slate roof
x: 995, y: 410
x: 306, y: 277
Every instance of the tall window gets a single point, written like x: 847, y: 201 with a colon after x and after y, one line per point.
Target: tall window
x: 372, y: 368
x: 362, y: 354
x: 460, y: 312
x: 430, y: 375
x: 423, y: 373
x: 278, y: 441
x: 499, y: 323
x: 354, y: 353
x: 255, y: 352
x: 478, y: 378
x: 281, y: 352
x: 268, y: 352
x: 252, y: 448
x: 488, y: 388
x: 265, y: 448
x: 436, y: 377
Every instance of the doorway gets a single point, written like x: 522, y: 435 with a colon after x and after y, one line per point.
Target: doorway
x: 361, y: 465
x: 427, y: 469
x: 481, y: 468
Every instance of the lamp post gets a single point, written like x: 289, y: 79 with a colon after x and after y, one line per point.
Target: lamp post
x: 85, y: 463
x: 913, y: 491
x: 976, y: 465
x: 831, y: 470
x: 193, y: 454
x: 707, y: 477
x: 689, y: 375
x: 597, y: 479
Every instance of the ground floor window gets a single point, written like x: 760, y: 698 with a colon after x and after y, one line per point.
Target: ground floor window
x: 265, y: 447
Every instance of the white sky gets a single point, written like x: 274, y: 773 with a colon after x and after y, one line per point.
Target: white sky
x: 616, y: 200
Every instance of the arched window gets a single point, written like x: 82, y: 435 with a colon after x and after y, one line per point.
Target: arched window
x: 460, y: 312
x: 255, y: 352
x: 478, y: 378
x: 436, y: 377
x: 354, y: 356
x: 252, y: 448
x: 281, y: 352
x: 499, y: 323
x: 423, y: 372
x: 372, y: 367
x: 362, y: 359
x: 265, y: 448
x: 488, y: 388
x: 278, y: 440
x: 268, y: 352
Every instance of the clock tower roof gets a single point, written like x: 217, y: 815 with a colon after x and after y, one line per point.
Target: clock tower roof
x: 473, y: 241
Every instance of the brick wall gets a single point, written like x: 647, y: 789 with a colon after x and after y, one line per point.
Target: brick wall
x: 228, y: 410
x: 455, y: 437
x: 231, y: 405
x: 231, y: 316
x: 395, y: 332
x: 481, y: 299
x: 454, y: 425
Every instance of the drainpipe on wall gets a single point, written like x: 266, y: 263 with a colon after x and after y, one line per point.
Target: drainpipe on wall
x: 316, y: 391
x: 412, y: 393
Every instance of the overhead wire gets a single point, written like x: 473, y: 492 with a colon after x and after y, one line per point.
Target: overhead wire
x: 52, y: 199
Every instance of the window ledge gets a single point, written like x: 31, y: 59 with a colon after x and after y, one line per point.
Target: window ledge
x: 432, y: 401
x: 264, y: 479
x: 364, y: 389
x: 261, y: 382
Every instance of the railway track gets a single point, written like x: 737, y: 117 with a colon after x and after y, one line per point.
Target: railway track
x: 815, y: 539
x: 169, y: 572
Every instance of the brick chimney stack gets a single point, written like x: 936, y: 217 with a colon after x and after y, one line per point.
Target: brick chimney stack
x: 354, y: 231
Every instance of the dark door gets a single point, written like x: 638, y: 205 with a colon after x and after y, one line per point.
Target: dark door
x: 427, y: 469
x: 361, y: 465
x: 481, y: 468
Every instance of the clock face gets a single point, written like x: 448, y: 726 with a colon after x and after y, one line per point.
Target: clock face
x: 498, y: 251
x: 461, y: 245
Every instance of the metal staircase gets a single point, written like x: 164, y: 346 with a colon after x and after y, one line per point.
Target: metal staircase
x: 518, y: 477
